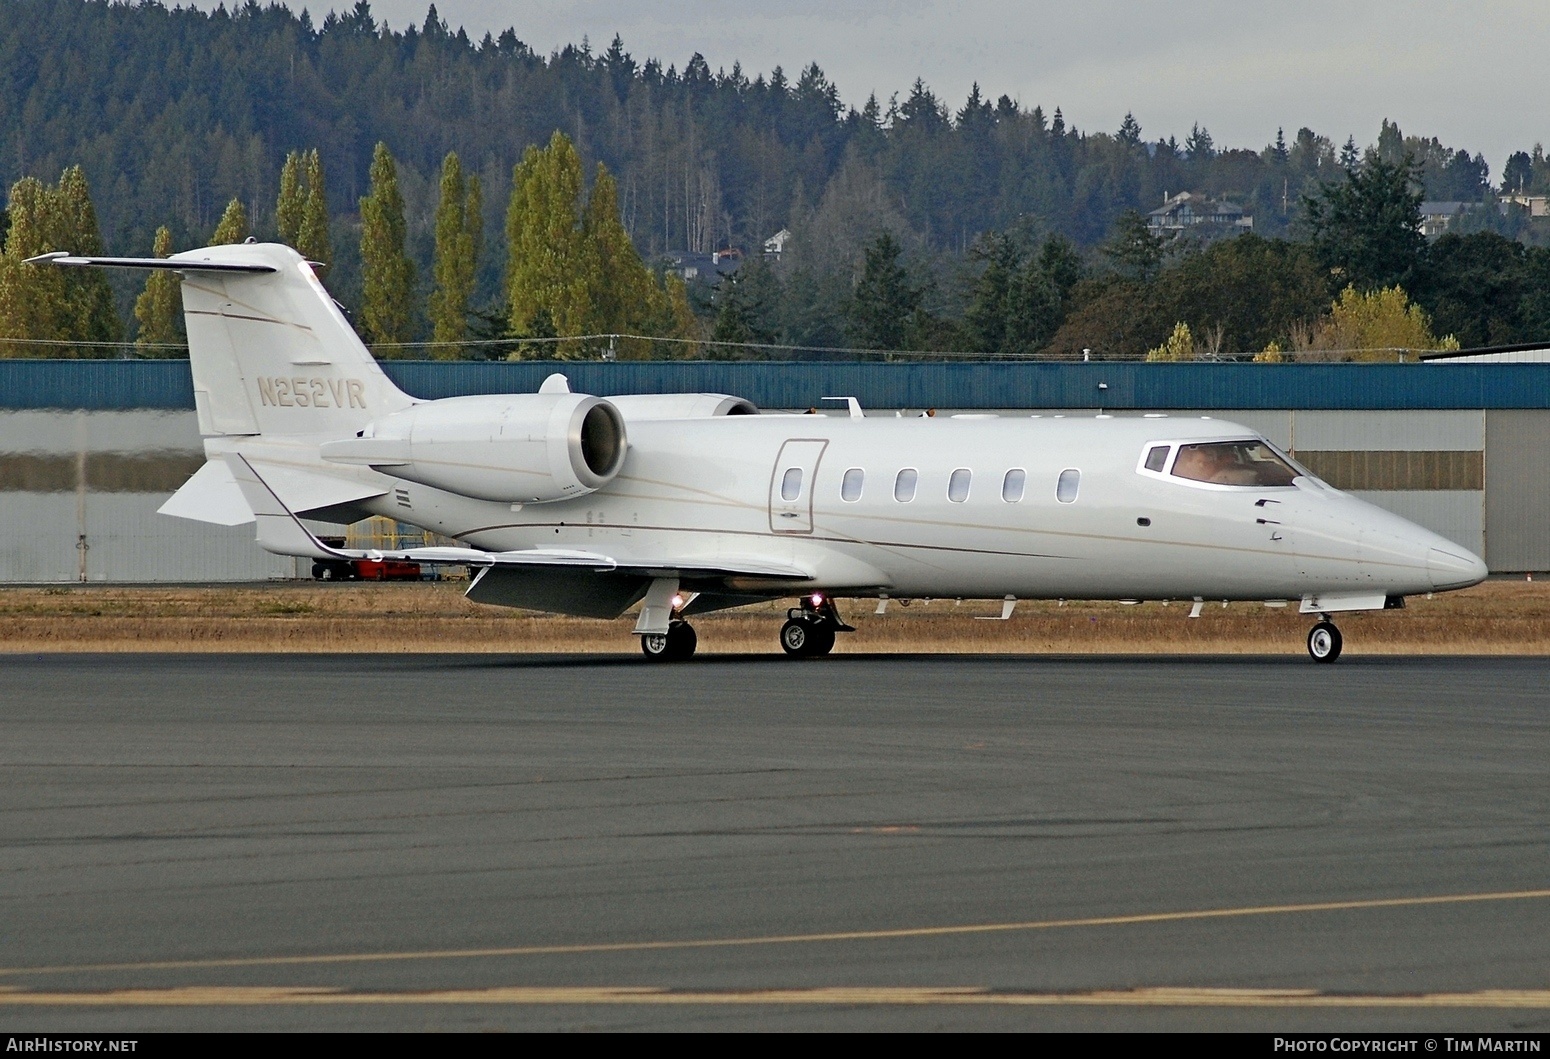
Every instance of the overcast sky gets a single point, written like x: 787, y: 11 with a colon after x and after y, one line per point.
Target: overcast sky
x: 1473, y: 74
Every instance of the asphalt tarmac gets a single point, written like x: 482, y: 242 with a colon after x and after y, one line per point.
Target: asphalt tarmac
x: 524, y: 842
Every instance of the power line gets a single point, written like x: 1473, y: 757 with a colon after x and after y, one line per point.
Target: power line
x: 852, y: 351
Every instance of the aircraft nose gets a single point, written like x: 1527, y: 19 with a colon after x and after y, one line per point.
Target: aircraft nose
x: 1454, y: 568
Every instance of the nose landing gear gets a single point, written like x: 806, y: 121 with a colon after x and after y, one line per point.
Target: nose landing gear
x: 809, y: 629
x: 1324, y: 641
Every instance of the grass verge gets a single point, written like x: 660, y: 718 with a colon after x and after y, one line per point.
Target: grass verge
x: 1498, y: 617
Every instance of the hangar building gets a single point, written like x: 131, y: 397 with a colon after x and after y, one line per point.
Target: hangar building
x: 90, y: 449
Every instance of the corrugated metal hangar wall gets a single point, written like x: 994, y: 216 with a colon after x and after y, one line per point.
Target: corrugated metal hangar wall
x: 90, y: 449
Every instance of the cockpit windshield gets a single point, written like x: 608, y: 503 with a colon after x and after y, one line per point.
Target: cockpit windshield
x: 1251, y: 463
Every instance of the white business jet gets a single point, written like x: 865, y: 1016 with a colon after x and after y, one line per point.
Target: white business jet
x: 688, y: 503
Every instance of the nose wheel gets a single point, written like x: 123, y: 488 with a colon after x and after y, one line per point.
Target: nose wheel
x: 675, y: 645
x: 1324, y: 642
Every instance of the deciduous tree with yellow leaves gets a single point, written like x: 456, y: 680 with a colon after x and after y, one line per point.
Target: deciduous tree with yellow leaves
x: 572, y: 269
x: 39, y: 302
x: 156, y: 309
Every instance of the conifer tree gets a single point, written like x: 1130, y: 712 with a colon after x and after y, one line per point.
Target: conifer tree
x: 232, y: 229
x: 293, y: 200
x: 884, y: 304
x: 157, y: 307
x: 459, y: 232
x: 1368, y: 226
x: 387, y: 275
x: 313, y: 242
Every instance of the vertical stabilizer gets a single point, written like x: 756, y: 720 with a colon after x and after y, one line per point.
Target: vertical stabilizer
x: 270, y: 350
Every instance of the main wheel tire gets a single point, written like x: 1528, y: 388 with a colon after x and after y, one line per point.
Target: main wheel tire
x: 1324, y: 642
x: 821, y: 639
x: 796, y: 638
x: 681, y: 640
x: 806, y: 639
x: 675, y: 645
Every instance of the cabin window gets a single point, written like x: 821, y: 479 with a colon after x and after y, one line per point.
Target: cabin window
x: 1065, y: 489
x: 904, y: 485
x: 1012, y: 485
x: 1251, y: 463
x: 1157, y: 458
x: 958, y: 485
x: 791, y: 484
x: 850, y: 485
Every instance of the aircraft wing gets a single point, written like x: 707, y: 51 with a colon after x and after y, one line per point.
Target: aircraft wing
x: 281, y: 532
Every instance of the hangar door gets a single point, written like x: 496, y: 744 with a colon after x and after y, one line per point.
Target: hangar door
x: 1517, y: 490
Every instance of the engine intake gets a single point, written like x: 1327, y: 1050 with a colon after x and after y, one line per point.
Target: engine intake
x: 522, y: 448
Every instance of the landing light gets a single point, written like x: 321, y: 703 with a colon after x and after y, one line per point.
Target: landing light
x: 817, y: 599
x: 678, y: 602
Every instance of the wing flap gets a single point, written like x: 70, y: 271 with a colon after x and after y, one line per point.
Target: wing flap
x: 727, y: 567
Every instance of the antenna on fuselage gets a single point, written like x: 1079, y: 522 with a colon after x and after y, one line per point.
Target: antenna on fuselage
x: 855, y: 406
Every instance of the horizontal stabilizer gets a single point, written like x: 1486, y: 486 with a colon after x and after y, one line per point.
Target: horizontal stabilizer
x: 60, y: 257
x: 211, y: 495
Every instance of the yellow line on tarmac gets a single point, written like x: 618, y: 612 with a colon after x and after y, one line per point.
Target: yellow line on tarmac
x: 1175, y: 997
x: 900, y: 933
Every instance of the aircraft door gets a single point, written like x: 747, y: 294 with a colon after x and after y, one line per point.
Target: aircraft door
x: 791, y: 485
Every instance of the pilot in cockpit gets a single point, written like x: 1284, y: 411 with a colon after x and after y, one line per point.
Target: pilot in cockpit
x: 1232, y: 463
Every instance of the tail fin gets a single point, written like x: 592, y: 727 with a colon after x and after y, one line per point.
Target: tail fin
x: 270, y: 350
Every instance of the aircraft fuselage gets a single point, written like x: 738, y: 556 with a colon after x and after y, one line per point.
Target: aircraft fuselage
x: 718, y: 488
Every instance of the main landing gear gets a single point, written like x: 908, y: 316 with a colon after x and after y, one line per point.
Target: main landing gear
x: 809, y: 629
x: 675, y: 645
x: 1324, y: 641
x: 808, y: 633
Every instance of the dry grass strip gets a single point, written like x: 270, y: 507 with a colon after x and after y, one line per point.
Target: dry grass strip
x: 1499, y: 617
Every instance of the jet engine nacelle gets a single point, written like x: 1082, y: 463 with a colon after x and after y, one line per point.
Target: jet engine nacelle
x: 521, y: 448
x: 644, y: 406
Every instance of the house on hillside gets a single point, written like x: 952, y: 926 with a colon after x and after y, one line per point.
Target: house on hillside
x: 1193, y: 213
x: 775, y: 245
x: 1537, y: 205
x: 1438, y: 214
x: 702, y: 268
